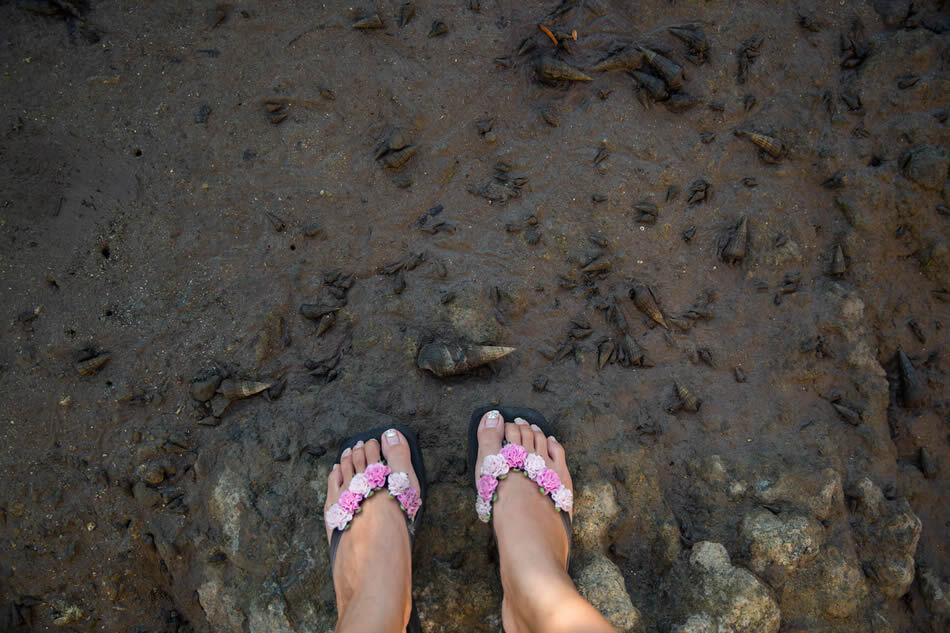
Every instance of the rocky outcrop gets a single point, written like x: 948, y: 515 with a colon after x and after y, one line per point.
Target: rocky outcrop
x: 601, y: 583
x: 780, y: 544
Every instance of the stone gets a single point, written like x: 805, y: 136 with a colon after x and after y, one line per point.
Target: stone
x: 886, y: 532
x: 730, y: 597
x: 818, y: 492
x: 203, y: 389
x: 697, y: 624
x: 595, y: 511
x: 600, y: 582
x: 927, y: 166
x: 833, y: 586
x: 784, y: 541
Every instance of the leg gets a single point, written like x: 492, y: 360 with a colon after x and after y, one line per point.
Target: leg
x: 532, y: 543
x: 372, y: 573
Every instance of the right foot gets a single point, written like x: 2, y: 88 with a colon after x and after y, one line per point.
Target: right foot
x: 532, y: 541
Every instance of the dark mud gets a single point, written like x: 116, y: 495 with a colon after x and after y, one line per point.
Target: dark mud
x: 179, y: 178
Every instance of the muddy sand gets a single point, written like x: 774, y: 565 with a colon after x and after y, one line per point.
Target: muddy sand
x: 716, y: 234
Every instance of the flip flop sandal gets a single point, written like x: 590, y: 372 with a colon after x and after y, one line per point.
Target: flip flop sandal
x: 379, y: 478
x: 510, y: 460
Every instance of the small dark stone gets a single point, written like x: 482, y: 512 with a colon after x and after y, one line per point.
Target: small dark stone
x: 928, y: 466
x: 689, y: 233
x: 203, y: 390
x: 204, y: 111
x: 446, y: 298
x: 740, y: 375
x: 619, y: 475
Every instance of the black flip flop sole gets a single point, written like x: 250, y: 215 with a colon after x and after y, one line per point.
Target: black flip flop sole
x: 418, y: 465
x: 532, y: 416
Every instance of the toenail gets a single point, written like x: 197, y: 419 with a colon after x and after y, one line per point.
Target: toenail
x: 359, y: 444
x: 391, y: 438
x: 345, y: 453
x: 491, y: 421
x: 552, y: 438
x: 535, y: 427
x: 520, y: 421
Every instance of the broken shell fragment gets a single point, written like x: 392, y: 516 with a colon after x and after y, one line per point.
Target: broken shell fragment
x: 450, y: 359
x: 645, y: 301
x: 237, y: 389
x: 368, y: 23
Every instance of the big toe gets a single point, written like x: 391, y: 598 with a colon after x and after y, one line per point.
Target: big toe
x: 491, y: 431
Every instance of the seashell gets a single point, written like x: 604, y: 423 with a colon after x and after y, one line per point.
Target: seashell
x: 652, y: 84
x: 368, y: 23
x: 847, y: 413
x: 90, y: 366
x: 527, y: 45
x: 316, y: 311
x: 237, y: 389
x: 682, y: 102
x: 632, y: 351
x: 913, y: 388
x: 326, y: 322
x: 605, y: 353
x: 688, y: 233
x: 645, y: 301
x: 450, y: 359
x: 552, y: 69
x: 627, y: 59
x: 839, y: 265
x: 772, y: 146
x: 598, y: 197
x: 740, y: 375
x: 438, y: 28
x: 734, y: 250
x: 688, y: 400
x: 671, y: 72
x: 406, y: 12
x: 397, y: 159
x: 695, y: 39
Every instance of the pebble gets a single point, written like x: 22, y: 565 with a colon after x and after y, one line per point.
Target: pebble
x: 204, y: 389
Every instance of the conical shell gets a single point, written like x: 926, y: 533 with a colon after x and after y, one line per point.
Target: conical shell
x: 449, y: 359
x: 398, y: 159
x: 913, y: 389
x: 370, y: 22
x: 653, y: 85
x: 555, y: 70
x: 695, y: 38
x: 671, y: 72
x: 237, y: 389
x: 687, y: 398
x: 734, y: 250
x: 605, y: 353
x: 627, y: 59
x: 839, y: 265
x: 645, y: 301
x: 847, y: 413
x: 633, y: 352
x: 772, y: 146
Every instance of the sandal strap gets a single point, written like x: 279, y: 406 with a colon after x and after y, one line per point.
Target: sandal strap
x: 363, y: 486
x: 514, y: 458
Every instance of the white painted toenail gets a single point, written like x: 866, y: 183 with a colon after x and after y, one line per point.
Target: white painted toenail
x: 535, y: 427
x: 391, y: 438
x: 346, y: 453
x: 554, y: 439
x: 359, y: 444
x: 491, y: 420
x: 520, y: 421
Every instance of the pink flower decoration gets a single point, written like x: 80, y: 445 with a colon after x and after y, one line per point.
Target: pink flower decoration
x: 350, y: 501
x: 360, y: 485
x: 514, y: 454
x: 548, y: 480
x: 486, y: 487
x: 398, y: 482
x: 563, y: 499
x: 483, y: 509
x: 534, y: 466
x: 337, y: 518
x: 376, y: 474
x: 494, y: 466
x: 410, y: 500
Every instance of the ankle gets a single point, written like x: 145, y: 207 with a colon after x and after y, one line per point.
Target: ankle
x: 373, y: 611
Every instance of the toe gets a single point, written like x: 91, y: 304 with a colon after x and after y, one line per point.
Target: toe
x: 540, y: 442
x: 559, y: 461
x: 359, y: 457
x: 334, y: 485
x: 346, y: 466
x: 512, y: 434
x: 371, y: 450
x: 527, y: 435
x: 491, y: 431
x: 398, y: 456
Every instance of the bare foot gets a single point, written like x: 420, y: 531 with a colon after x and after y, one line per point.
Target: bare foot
x: 532, y: 542
x: 372, y: 572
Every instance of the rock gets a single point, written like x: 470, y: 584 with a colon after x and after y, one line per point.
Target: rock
x: 832, y: 586
x: 886, y: 532
x: 818, y: 492
x: 780, y: 543
x: 600, y: 582
x: 146, y: 497
x: 729, y: 597
x: 927, y: 166
x: 219, y: 404
x: 595, y: 511
x: 934, y: 592
x: 203, y: 389
x: 892, y: 12
x: 697, y: 624
x: 152, y: 474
